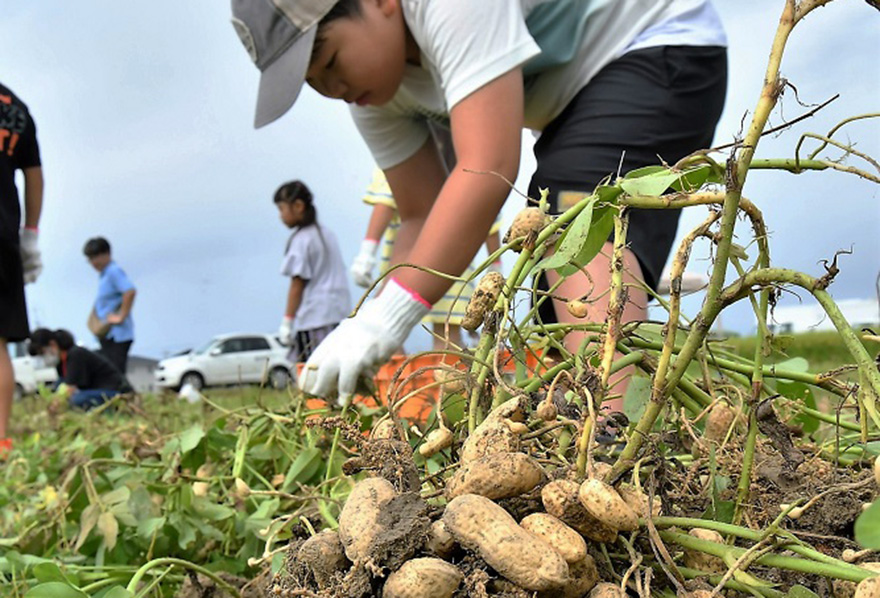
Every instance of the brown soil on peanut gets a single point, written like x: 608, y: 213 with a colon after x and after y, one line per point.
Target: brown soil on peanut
x: 388, y: 459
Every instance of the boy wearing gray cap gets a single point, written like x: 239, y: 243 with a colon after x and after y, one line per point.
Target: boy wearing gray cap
x: 609, y: 84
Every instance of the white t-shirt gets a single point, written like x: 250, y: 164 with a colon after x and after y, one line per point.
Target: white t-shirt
x: 560, y: 45
x: 313, y: 255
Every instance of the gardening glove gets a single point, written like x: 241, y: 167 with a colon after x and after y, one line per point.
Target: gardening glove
x: 495, y: 267
x: 363, y: 342
x: 31, y: 261
x: 362, y: 267
x: 285, y: 331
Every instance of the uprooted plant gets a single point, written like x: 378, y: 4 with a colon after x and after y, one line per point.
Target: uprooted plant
x: 707, y: 490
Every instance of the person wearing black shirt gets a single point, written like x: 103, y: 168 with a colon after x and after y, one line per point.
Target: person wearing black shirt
x: 91, y: 378
x: 20, y: 260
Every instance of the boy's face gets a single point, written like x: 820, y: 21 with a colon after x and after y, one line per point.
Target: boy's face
x: 99, y: 261
x: 362, y: 58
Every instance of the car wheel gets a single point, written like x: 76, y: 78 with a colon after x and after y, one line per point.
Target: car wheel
x: 193, y: 379
x: 17, y: 392
x: 279, y: 378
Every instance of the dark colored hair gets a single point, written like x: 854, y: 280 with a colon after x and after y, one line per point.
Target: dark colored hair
x: 41, y: 337
x: 297, y: 190
x: 344, y: 9
x: 96, y: 246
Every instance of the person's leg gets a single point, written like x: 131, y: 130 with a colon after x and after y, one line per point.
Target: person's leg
x: 13, y: 324
x: 116, y: 353
x: 124, y: 348
x: 7, y: 387
x: 90, y: 398
x: 653, y: 104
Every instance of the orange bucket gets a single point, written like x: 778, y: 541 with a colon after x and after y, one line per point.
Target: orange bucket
x: 412, y: 389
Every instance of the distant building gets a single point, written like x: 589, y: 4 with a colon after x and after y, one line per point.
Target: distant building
x: 810, y: 318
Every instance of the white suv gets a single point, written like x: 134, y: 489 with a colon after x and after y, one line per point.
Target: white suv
x: 228, y: 359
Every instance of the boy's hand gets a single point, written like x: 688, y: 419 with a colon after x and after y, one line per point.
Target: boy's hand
x: 114, y: 318
x: 363, y: 342
x: 362, y: 267
x: 31, y: 260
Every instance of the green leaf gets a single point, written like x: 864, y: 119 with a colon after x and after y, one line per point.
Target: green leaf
x: 191, y: 438
x: 638, y: 393
x: 656, y: 180
x: 109, y: 528
x: 651, y: 181
x: 240, y: 450
x: 116, y: 496
x: 55, y: 589
x: 801, y: 592
x: 694, y: 178
x: 117, y: 592
x: 868, y: 527
x: 585, y: 236
x: 148, y: 527
x: 45, y: 572
x: 303, y: 468
x: 211, y: 511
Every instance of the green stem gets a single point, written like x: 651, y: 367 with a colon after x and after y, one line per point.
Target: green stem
x: 133, y: 583
x: 770, y: 560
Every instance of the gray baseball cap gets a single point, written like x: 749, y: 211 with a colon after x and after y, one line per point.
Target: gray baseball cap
x: 279, y: 36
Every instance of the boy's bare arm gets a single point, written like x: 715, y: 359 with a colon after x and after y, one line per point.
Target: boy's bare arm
x: 33, y: 196
x: 486, y: 129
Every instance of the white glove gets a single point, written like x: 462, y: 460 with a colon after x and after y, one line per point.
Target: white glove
x: 363, y: 342
x: 31, y: 261
x: 495, y: 267
x: 362, y: 267
x: 285, y: 331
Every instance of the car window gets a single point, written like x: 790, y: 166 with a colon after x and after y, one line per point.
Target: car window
x: 255, y: 343
x: 233, y: 345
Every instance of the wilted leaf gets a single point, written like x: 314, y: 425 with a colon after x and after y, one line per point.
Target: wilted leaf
x: 88, y: 519
x: 109, y: 528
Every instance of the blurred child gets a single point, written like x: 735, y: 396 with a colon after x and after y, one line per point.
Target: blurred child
x: 91, y: 378
x: 317, y: 299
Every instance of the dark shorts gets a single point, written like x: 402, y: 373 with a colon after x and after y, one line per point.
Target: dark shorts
x: 648, y: 105
x: 306, y: 341
x: 13, y: 311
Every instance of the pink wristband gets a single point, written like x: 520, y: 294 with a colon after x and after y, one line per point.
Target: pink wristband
x: 33, y: 228
x: 412, y: 293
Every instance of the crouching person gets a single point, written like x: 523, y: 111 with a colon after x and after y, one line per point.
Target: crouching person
x: 90, y: 377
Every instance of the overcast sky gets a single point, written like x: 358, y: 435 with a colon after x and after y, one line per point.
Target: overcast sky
x: 145, y: 111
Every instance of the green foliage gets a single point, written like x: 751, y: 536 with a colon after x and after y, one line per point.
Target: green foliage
x: 868, y: 527
x: 116, y: 489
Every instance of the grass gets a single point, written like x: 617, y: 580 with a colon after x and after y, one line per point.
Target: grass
x: 823, y: 350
